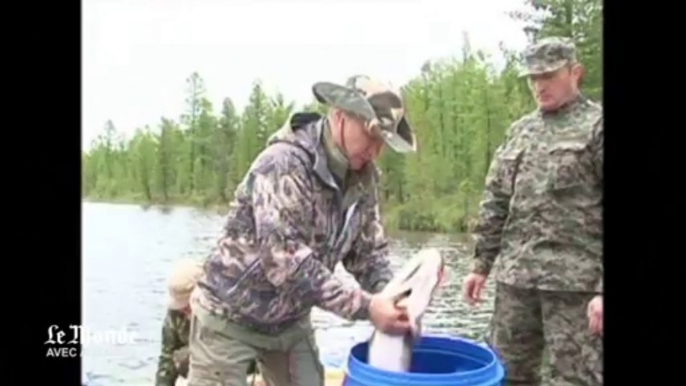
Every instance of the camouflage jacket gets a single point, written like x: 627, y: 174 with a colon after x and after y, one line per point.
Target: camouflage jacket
x: 287, y: 228
x: 173, y: 360
x: 541, y: 214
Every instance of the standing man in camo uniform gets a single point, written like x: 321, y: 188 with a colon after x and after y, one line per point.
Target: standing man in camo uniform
x: 308, y: 202
x: 541, y: 232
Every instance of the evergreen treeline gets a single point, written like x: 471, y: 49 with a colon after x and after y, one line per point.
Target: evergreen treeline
x: 460, y: 108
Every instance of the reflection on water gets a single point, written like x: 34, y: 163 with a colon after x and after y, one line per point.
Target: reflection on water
x: 128, y: 251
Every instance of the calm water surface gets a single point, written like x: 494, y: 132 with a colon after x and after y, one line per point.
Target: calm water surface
x: 128, y: 251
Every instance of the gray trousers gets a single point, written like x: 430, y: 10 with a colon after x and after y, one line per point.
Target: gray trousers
x: 220, y: 353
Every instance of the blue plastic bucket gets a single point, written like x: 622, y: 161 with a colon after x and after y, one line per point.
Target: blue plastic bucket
x: 436, y: 360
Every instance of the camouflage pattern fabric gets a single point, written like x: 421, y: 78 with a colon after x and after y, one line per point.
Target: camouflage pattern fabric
x: 223, y: 351
x: 287, y: 228
x: 527, y: 320
x: 548, y: 55
x: 181, y: 358
x: 336, y: 161
x: 540, y: 222
x: 173, y: 360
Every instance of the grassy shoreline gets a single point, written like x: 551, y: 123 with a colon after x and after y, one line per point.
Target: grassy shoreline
x: 439, y: 217
x: 172, y: 202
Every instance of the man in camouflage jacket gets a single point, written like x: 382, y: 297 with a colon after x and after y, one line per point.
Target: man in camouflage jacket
x: 540, y: 229
x: 308, y: 202
x: 174, y: 358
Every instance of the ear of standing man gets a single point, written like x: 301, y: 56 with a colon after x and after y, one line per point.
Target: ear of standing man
x: 540, y: 228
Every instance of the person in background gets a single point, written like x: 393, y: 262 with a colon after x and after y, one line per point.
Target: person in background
x: 174, y: 357
x: 541, y: 232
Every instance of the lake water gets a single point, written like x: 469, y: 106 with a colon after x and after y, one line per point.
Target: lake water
x: 127, y: 254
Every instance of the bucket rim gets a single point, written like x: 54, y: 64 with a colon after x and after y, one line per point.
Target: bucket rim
x: 490, y: 368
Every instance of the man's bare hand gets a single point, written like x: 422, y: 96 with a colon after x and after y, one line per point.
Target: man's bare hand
x: 595, y: 315
x: 473, y: 285
x: 387, y: 316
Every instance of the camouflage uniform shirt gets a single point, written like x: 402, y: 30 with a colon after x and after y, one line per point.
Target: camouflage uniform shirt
x: 541, y: 216
x: 175, y: 334
x: 288, y: 227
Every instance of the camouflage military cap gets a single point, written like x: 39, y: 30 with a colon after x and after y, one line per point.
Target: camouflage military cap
x: 548, y: 55
x: 378, y: 104
x: 182, y: 281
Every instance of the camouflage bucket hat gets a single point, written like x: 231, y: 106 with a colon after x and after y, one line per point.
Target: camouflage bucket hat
x: 548, y: 55
x: 182, y: 281
x: 378, y: 104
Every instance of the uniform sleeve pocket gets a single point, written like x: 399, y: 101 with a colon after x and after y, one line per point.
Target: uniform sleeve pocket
x: 503, y: 178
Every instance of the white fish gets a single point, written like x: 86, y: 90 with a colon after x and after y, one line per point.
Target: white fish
x: 413, y: 288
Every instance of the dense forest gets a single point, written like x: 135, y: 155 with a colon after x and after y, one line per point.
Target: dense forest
x: 460, y: 106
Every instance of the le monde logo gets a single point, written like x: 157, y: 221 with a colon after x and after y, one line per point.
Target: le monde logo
x: 68, y: 343
x: 57, y: 338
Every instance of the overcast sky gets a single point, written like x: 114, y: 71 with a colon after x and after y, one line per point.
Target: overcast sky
x: 137, y: 54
